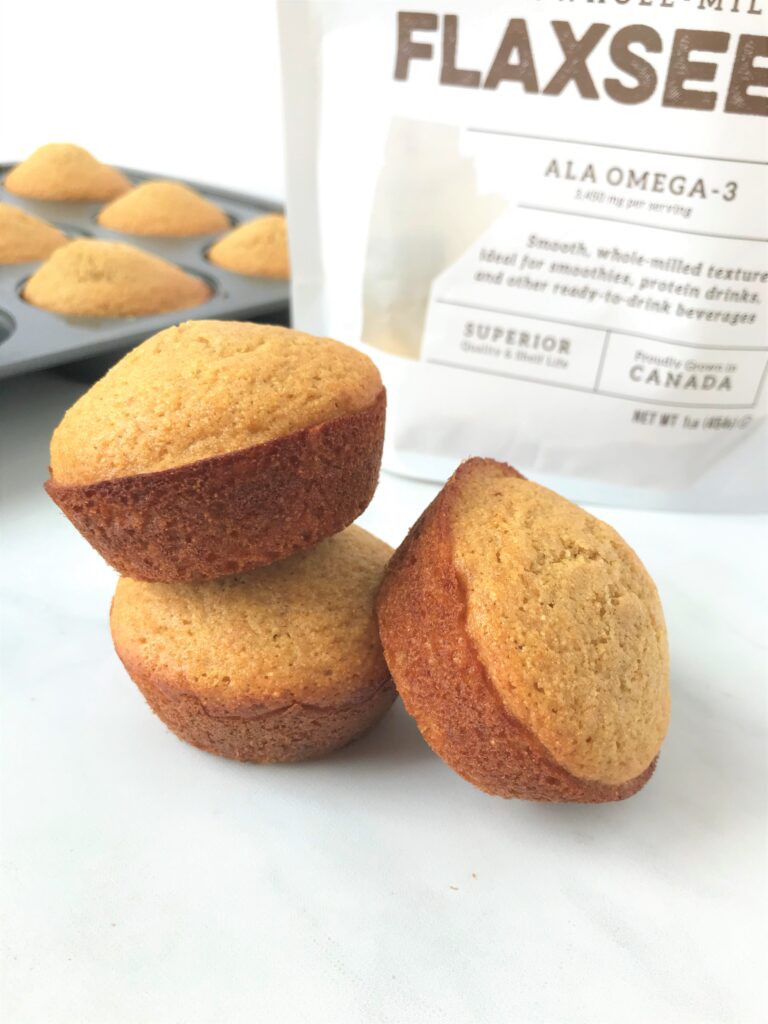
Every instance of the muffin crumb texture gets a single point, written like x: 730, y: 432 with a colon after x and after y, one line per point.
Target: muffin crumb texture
x: 61, y: 171
x: 258, y: 248
x: 300, y: 631
x: 206, y: 388
x: 163, y: 208
x: 94, y: 278
x: 566, y: 620
x: 24, y: 238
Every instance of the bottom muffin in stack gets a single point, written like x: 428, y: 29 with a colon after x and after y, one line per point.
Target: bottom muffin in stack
x: 278, y: 664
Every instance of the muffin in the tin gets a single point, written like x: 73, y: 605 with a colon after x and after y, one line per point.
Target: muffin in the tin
x: 217, y: 446
x: 258, y: 248
x: 163, y: 209
x: 25, y: 238
x: 95, y: 278
x: 61, y: 171
x: 528, y: 641
x: 282, y: 663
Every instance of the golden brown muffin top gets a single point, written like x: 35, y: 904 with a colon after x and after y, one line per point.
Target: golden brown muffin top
x: 65, y: 172
x: 205, y: 388
x: 566, y: 620
x: 24, y: 238
x: 163, y: 208
x: 90, y: 277
x: 258, y: 248
x: 300, y: 630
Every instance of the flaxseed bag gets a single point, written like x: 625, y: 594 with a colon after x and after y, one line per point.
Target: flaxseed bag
x: 547, y: 222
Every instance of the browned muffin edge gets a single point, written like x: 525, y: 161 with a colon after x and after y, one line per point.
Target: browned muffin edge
x: 232, y: 512
x: 422, y: 612
x: 262, y: 734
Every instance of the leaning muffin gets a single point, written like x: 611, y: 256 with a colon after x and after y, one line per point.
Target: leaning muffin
x: 61, y: 171
x: 24, y: 238
x: 258, y: 248
x: 279, y: 664
x: 218, y: 446
x: 93, y: 278
x: 528, y: 641
x: 163, y: 209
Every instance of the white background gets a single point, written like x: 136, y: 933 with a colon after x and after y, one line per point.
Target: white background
x: 165, y: 86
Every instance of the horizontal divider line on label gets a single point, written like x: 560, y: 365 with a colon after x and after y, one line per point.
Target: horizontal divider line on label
x: 639, y: 224
x: 614, y: 145
x: 599, y: 327
x: 704, y: 406
x: 514, y: 376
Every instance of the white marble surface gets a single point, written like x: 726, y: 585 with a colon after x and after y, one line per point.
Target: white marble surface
x: 145, y: 882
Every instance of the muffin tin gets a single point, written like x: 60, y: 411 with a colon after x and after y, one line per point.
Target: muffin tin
x: 32, y: 338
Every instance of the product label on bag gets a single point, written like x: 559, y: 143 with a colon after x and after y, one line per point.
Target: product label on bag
x: 560, y: 222
x: 606, y: 309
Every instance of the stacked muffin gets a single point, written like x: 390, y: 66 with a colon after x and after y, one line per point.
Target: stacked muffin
x: 218, y: 468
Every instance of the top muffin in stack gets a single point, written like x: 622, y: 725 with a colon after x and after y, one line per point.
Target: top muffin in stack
x: 217, y: 446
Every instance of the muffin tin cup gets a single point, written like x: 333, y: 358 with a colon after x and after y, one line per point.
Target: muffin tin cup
x: 33, y: 338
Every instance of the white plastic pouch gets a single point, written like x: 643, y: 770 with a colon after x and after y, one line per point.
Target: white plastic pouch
x: 547, y: 223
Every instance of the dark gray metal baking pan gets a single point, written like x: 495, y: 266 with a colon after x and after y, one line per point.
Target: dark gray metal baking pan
x: 32, y: 338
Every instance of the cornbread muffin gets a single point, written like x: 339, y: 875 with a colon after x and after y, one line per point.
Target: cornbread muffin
x: 218, y: 446
x: 258, y: 248
x: 24, y: 238
x: 163, y: 208
x: 90, y: 277
x: 65, y: 172
x: 278, y: 664
x: 527, y: 640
